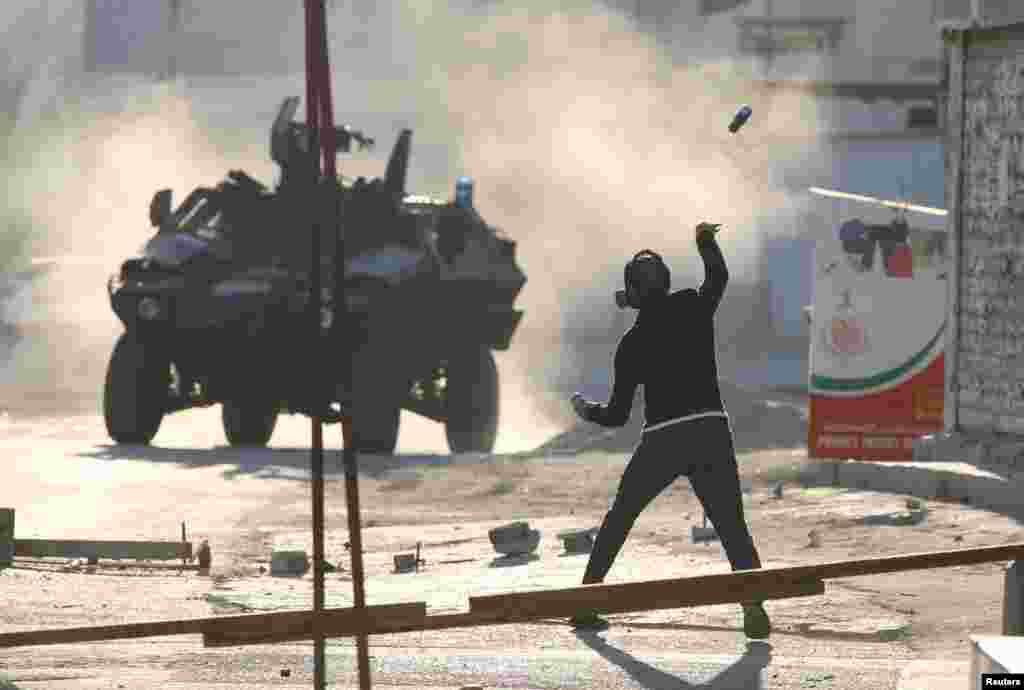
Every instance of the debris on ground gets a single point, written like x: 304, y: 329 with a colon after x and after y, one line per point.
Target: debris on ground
x: 203, y: 555
x: 515, y: 539
x: 578, y: 540
x: 288, y: 563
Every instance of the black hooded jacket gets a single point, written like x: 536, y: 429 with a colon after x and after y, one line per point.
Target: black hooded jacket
x: 670, y: 350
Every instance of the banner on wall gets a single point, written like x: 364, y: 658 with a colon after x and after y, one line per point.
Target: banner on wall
x: 876, y: 379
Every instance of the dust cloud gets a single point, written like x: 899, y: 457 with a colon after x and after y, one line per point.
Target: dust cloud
x: 587, y: 138
x: 81, y: 180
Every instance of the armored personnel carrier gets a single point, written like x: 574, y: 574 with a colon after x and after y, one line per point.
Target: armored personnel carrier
x: 217, y: 307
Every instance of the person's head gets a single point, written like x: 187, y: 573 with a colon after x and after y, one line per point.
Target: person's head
x: 647, y: 278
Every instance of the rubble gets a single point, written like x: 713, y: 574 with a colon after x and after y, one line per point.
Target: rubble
x: 515, y: 539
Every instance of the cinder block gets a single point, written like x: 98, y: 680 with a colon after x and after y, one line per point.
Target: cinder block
x: 513, y: 530
x: 288, y: 563
x: 578, y: 541
x: 405, y: 562
x: 515, y: 539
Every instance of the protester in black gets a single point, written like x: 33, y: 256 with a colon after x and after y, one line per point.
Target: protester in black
x: 670, y: 350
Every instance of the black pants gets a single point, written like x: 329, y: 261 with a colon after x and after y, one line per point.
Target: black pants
x: 702, y: 450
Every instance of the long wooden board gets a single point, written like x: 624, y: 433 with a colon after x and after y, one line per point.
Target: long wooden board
x: 619, y: 597
x: 768, y: 583
x: 299, y: 626
x: 350, y: 627
x: 372, y: 619
x: 116, y: 550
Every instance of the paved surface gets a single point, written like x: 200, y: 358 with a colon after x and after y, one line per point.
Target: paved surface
x: 249, y: 502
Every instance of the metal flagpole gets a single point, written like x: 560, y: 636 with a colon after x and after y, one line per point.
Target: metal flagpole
x: 320, y: 119
x: 317, y: 450
x: 349, y: 455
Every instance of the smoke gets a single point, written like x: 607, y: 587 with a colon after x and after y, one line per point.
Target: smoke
x: 81, y: 181
x: 587, y: 138
x: 589, y: 141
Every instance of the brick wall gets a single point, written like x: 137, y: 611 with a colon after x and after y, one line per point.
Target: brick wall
x: 990, y: 372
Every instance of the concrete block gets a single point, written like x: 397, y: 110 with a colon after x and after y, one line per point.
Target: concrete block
x: 405, y: 562
x: 1013, y: 601
x: 513, y: 530
x: 579, y: 540
x: 6, y: 537
x: 514, y: 539
x: 288, y: 563
x: 519, y: 546
x: 993, y: 654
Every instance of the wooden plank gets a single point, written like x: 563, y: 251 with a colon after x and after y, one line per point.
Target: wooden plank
x: 565, y: 609
x: 39, y: 564
x: 381, y: 619
x: 299, y: 627
x: 522, y: 615
x: 708, y: 589
x: 115, y: 550
x: 639, y: 596
x: 768, y: 583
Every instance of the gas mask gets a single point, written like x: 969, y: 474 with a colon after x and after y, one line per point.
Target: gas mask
x: 646, y: 276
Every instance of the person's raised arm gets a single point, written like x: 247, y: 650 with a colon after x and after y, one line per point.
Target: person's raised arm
x: 716, y: 275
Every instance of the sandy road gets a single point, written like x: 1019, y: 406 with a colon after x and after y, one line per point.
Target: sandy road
x: 899, y: 631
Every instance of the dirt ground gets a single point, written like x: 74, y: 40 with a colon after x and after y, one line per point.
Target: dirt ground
x: 65, y: 481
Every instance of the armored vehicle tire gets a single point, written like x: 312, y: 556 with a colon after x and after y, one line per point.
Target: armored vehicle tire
x: 250, y: 422
x: 471, y: 402
x: 135, y: 391
x: 379, y: 433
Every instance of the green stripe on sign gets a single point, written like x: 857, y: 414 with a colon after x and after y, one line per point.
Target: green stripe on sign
x: 827, y: 383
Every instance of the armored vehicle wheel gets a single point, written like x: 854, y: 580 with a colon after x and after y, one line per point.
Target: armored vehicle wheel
x: 249, y: 422
x: 379, y: 432
x: 135, y: 391
x: 471, y: 402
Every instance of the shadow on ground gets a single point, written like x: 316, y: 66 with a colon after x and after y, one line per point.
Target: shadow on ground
x: 514, y: 560
x: 743, y: 674
x: 276, y: 463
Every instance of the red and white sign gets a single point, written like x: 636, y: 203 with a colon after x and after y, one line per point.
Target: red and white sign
x: 876, y: 379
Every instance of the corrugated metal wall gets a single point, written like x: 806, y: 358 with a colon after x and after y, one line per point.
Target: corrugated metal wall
x: 990, y: 357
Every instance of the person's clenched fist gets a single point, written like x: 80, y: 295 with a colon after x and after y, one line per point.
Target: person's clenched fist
x: 580, y: 405
x: 708, y: 227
